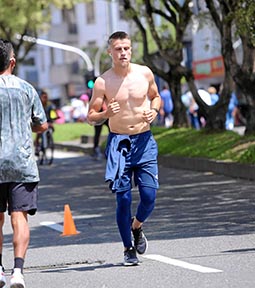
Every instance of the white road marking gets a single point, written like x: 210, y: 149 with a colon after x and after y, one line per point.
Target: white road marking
x: 182, y: 264
x: 190, y: 185
x: 59, y: 228
x: 53, y: 225
x: 160, y: 258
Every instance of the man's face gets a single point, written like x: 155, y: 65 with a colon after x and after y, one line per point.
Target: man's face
x: 120, y: 51
x: 44, y: 99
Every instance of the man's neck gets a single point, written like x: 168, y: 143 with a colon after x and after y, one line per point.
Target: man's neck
x: 6, y: 72
x: 122, y: 71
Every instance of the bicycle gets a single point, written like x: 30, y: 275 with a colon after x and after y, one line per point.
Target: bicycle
x: 46, y: 147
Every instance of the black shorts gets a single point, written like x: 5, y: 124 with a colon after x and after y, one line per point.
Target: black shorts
x: 19, y: 197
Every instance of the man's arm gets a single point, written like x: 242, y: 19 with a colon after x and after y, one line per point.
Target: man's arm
x: 40, y: 128
x: 153, y: 93
x: 153, y: 96
x: 97, y: 116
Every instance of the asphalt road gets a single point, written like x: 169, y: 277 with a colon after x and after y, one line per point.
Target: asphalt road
x: 201, y: 233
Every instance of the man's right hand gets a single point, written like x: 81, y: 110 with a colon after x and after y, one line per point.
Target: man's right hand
x: 113, y: 108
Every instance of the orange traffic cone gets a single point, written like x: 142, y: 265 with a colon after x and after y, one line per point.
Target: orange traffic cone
x: 69, y: 226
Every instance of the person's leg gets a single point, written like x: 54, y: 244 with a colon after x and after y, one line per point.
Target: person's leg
x: 146, y: 178
x: 97, y: 132
x: 23, y: 196
x: 96, y: 148
x: 1, y: 236
x: 145, y: 207
x: 2, y: 276
x: 21, y: 236
x: 123, y: 217
x: 3, y: 205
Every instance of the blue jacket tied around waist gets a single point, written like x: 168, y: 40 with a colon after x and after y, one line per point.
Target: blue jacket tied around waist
x: 117, y: 148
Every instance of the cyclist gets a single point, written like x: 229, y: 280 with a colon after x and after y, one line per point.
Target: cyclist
x: 51, y: 114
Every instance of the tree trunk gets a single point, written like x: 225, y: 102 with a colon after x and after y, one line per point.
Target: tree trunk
x: 250, y: 115
x: 179, y: 113
x: 217, y: 114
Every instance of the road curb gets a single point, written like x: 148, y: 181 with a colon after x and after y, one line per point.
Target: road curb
x: 231, y: 169
x: 86, y: 149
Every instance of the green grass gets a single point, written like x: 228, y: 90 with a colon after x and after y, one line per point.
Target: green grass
x: 72, y: 131
x: 224, y: 146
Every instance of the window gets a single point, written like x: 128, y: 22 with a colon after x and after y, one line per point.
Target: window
x: 90, y: 12
x: 69, y: 18
x: 29, y: 61
x: 121, y: 10
x: 32, y: 77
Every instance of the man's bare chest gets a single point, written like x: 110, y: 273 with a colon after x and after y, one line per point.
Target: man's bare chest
x: 132, y: 87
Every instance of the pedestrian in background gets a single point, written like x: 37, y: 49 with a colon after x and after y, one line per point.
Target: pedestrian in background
x: 84, y: 111
x: 97, y: 133
x: 131, y: 149
x: 214, y: 95
x: 51, y: 115
x: 166, y: 107
x: 21, y: 113
x: 192, y: 109
x: 231, y: 112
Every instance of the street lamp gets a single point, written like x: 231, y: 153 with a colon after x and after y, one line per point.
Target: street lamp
x: 57, y: 45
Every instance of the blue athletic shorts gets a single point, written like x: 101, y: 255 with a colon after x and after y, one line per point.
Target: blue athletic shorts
x: 140, y: 162
x: 19, y: 197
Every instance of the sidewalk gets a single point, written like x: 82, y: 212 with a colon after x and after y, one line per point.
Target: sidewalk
x: 231, y: 169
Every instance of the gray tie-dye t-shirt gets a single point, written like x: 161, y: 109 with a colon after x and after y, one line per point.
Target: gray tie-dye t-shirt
x: 20, y: 107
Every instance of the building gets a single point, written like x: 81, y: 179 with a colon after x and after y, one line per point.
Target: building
x: 86, y: 27
x: 208, y: 66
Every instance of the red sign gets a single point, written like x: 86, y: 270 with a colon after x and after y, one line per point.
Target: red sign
x: 208, y: 68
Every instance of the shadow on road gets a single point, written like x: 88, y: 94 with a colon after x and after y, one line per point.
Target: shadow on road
x: 189, y: 204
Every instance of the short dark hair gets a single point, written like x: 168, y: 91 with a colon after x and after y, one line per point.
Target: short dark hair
x: 118, y: 35
x: 6, y: 49
x: 43, y: 92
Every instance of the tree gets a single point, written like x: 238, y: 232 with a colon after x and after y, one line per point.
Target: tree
x: 26, y: 18
x: 233, y: 18
x: 235, y: 21
x: 166, y: 59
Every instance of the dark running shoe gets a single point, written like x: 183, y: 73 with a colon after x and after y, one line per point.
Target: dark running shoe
x: 130, y: 258
x: 140, y: 241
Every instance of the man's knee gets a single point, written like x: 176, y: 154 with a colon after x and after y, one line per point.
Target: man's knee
x: 123, y: 199
x: 147, y: 195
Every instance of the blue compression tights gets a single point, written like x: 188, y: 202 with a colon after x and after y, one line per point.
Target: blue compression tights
x: 123, y: 211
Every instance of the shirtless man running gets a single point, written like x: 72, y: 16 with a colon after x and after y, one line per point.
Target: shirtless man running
x: 133, y: 101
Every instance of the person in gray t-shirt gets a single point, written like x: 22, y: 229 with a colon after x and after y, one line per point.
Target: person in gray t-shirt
x: 21, y: 113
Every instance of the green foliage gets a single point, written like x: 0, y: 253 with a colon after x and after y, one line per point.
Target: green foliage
x: 20, y: 15
x: 248, y: 156
x: 27, y: 17
x: 245, y: 18
x: 225, y: 146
